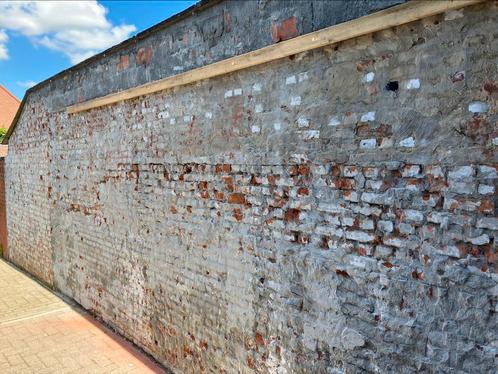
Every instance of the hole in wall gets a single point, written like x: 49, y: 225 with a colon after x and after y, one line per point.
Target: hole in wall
x: 392, y: 86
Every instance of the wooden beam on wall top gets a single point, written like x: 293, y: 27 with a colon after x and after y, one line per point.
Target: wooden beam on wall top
x: 387, y: 18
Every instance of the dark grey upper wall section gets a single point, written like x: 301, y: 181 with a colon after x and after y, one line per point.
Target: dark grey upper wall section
x: 210, y: 31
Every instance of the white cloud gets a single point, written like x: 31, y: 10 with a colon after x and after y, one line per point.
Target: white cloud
x: 78, y: 29
x: 27, y: 84
x: 4, y: 54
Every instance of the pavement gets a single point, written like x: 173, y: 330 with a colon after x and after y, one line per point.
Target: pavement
x: 41, y: 333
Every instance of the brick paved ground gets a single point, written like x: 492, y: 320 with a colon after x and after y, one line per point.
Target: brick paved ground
x: 41, y: 333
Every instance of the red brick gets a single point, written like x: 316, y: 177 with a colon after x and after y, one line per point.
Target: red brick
x: 255, y: 181
x: 343, y: 183
x: 303, y: 191
x: 223, y: 168
x: 486, y: 206
x: 284, y: 30
x: 144, y: 56
x: 229, y: 183
x: 259, y: 339
x: 237, y: 214
x: 272, y: 179
x: 124, y: 63
x: 292, y: 215
x: 237, y: 198
x: 335, y: 170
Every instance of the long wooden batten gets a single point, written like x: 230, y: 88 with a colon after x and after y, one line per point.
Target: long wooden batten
x: 391, y: 17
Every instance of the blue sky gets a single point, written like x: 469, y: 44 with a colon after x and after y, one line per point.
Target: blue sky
x: 64, y: 33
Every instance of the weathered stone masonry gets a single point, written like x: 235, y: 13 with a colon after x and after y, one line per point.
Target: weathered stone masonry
x: 335, y: 211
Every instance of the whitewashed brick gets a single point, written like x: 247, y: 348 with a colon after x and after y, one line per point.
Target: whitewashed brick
x: 368, y: 117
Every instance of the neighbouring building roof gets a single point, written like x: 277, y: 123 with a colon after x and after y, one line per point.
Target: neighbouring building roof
x: 9, y: 104
x: 8, y: 107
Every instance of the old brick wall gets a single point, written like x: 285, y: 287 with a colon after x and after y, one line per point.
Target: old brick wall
x: 331, y: 212
x: 27, y: 191
x: 3, y: 212
x: 211, y: 31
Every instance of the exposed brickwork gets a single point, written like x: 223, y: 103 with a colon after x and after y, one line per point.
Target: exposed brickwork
x: 27, y: 190
x: 334, y: 211
x: 284, y: 30
x: 124, y: 63
x: 144, y: 56
x: 3, y: 212
x: 221, y: 30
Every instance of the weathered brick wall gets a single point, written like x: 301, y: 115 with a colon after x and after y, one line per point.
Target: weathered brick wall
x: 212, y: 31
x: 27, y: 185
x: 3, y: 212
x: 333, y: 211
